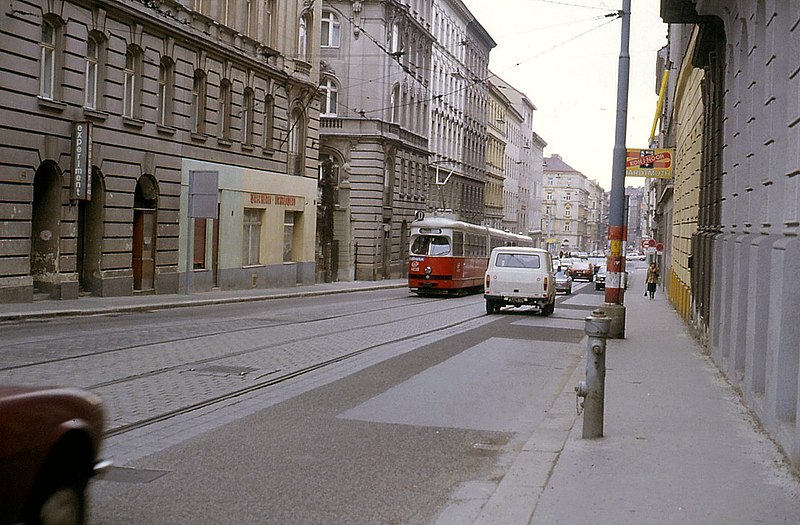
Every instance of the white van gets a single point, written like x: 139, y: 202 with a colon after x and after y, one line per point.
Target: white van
x: 520, y: 276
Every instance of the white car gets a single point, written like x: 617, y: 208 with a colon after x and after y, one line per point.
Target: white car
x: 519, y: 276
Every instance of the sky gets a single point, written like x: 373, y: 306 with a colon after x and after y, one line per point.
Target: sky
x: 564, y: 55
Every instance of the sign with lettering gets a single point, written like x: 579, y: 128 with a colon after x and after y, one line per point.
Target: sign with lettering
x: 81, y: 181
x: 290, y: 202
x: 653, y: 163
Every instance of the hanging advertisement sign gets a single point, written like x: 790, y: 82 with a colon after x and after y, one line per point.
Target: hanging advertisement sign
x: 653, y: 163
x: 81, y: 180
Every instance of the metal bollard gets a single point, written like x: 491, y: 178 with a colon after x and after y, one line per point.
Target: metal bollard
x: 593, y: 389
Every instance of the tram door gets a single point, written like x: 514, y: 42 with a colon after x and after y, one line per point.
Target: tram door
x: 144, y: 263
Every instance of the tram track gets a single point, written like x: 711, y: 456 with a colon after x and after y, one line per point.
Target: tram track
x: 182, y: 337
x: 259, y: 348
x: 282, y: 378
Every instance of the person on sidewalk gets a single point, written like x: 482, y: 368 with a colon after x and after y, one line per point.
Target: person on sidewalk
x: 652, y: 280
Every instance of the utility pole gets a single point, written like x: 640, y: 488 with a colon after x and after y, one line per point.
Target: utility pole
x: 615, y: 291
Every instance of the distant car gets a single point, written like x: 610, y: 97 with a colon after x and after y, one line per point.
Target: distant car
x: 50, y: 442
x: 563, y: 282
x: 581, y: 270
x: 600, y: 278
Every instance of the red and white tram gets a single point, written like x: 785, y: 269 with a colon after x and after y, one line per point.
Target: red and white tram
x: 448, y: 256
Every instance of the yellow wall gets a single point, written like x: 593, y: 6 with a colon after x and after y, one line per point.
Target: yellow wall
x: 687, y: 117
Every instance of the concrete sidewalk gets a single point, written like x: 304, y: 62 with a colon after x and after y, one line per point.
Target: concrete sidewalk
x: 678, y: 447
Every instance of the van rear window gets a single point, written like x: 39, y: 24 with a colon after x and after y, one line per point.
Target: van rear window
x: 518, y: 260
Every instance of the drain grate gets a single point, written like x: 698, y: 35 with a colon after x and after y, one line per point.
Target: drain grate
x: 132, y: 475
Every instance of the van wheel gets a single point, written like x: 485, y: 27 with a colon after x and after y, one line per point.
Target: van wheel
x: 549, y: 308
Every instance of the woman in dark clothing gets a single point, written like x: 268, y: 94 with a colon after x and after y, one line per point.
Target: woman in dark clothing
x: 652, y: 280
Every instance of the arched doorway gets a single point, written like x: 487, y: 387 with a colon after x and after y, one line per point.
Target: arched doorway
x: 45, y: 228
x: 145, y: 204
x: 90, y: 237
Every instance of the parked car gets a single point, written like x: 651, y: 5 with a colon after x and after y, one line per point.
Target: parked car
x: 563, y: 282
x: 600, y: 278
x: 50, y: 442
x: 581, y: 270
x: 520, y: 276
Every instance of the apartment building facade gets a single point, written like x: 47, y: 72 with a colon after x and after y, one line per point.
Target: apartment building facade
x: 375, y: 64
x: 125, y: 106
x: 732, y: 112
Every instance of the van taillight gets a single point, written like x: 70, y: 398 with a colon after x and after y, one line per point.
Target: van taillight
x: 545, y: 284
x: 488, y: 280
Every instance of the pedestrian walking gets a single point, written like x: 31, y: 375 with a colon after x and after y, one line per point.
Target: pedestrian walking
x: 652, y: 280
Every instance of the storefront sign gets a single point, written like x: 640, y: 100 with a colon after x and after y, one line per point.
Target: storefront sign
x: 81, y: 183
x: 653, y: 163
x: 271, y: 199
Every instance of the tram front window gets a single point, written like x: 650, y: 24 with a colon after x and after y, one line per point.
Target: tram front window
x: 430, y: 245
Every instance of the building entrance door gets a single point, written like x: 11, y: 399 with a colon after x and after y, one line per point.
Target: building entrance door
x: 144, y: 262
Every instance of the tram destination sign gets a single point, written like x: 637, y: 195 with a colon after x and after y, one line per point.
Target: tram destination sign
x: 81, y: 180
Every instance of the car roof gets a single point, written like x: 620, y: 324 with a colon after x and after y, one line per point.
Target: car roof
x: 519, y: 249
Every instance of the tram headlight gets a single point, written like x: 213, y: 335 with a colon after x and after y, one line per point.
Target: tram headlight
x: 428, y: 272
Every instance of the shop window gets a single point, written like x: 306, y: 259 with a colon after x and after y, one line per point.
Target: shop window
x: 251, y: 238
x: 288, y: 236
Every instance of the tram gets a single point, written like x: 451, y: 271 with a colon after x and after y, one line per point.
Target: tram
x: 449, y: 256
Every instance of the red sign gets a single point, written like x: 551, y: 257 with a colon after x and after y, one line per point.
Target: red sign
x: 660, y: 247
x: 651, y: 243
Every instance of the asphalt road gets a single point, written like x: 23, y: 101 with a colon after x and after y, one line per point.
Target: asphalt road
x: 373, y: 407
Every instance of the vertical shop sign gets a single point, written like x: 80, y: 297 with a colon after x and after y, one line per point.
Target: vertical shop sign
x: 81, y: 183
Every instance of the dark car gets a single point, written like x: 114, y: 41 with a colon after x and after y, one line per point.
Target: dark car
x: 563, y: 282
x: 581, y: 270
x: 49, y: 449
x: 600, y: 278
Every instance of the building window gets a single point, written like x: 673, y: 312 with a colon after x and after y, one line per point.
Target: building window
x: 91, y: 73
x: 131, y: 80
x: 302, y: 39
x: 225, y: 109
x: 549, y: 196
x: 567, y: 196
x: 288, y: 235
x: 248, y: 114
x: 251, y: 238
x: 331, y: 31
x: 296, y: 141
x: 199, y: 102
x: 330, y: 97
x: 47, y: 73
x: 200, y: 227
x: 267, y: 25
x: 395, y: 44
x: 568, y: 211
x: 394, y: 105
x: 566, y: 226
x: 165, y: 89
x: 269, y: 122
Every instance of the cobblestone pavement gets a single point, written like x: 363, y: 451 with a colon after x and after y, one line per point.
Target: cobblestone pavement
x: 153, y: 369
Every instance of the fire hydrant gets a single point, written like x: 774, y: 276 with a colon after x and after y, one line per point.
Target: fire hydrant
x: 593, y: 389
